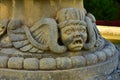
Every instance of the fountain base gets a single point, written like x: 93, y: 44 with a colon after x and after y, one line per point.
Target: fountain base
x: 83, y: 73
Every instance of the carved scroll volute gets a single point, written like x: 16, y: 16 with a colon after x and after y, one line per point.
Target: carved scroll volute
x: 53, y: 42
x: 94, y: 37
x: 52, y: 34
x: 91, y: 34
x: 43, y: 36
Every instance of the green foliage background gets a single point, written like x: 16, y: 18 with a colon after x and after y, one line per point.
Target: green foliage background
x: 103, y: 9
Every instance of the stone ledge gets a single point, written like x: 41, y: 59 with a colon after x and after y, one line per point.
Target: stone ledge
x: 60, y: 62
x: 83, y: 73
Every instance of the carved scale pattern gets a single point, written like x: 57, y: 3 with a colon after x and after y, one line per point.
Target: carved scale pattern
x: 19, y: 38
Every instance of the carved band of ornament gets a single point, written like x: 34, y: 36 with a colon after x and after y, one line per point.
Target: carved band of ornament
x: 58, y: 63
x: 66, y: 23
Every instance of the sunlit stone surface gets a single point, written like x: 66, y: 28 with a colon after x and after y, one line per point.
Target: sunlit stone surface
x: 52, y: 40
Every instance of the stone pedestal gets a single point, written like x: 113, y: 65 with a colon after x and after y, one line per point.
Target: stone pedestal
x: 52, y: 40
x: 84, y: 73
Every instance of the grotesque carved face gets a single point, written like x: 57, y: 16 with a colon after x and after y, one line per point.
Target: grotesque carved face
x: 74, y: 36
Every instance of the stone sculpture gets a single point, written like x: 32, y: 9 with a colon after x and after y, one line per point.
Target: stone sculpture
x: 43, y: 35
x: 68, y: 41
x: 74, y: 25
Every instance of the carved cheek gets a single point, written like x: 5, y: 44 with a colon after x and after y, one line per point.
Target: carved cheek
x: 63, y: 36
x: 66, y: 39
x: 84, y: 36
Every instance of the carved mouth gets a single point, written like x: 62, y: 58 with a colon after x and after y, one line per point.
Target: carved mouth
x: 77, y: 42
x: 76, y: 47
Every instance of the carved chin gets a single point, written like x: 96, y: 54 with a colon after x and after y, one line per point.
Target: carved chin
x: 75, y: 47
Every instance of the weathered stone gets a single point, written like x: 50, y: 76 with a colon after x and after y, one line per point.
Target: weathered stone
x: 47, y: 63
x: 26, y: 48
x: 20, y: 43
x: 63, y: 63
x: 31, y: 63
x: 66, y: 26
x: 108, y: 52
x: 101, y: 55
x: 83, y: 73
x: 91, y: 59
x: 54, y: 39
x: 3, y: 61
x: 112, y: 48
x: 15, y: 62
x: 119, y: 65
x: 78, y: 61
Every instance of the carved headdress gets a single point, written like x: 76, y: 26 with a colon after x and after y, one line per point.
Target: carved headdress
x: 70, y: 15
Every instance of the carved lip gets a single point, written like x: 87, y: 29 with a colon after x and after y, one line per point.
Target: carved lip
x: 77, y: 41
x: 76, y: 47
x: 77, y: 44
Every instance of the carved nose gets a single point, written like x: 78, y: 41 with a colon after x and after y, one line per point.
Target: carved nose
x: 76, y: 35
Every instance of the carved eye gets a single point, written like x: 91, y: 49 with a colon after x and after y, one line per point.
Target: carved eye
x: 68, y: 31
x: 82, y: 30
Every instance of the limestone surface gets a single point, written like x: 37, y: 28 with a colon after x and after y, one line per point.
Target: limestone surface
x: 31, y: 63
x: 3, y: 61
x: 52, y: 40
x: 15, y: 62
x: 47, y: 63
